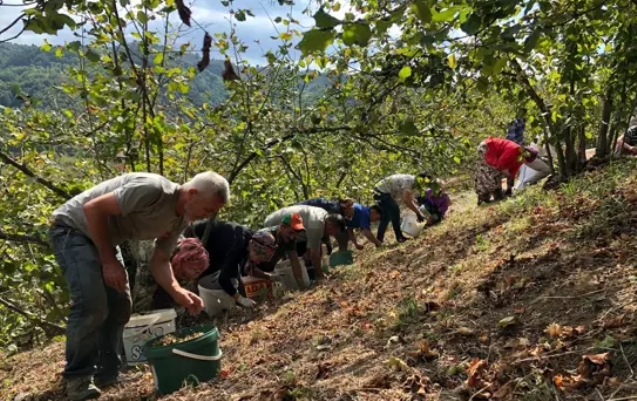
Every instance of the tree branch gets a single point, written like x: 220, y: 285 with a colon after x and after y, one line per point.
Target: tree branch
x: 30, y: 239
x: 22, y: 167
x: 12, y: 24
x: 53, y: 327
x: 235, y: 172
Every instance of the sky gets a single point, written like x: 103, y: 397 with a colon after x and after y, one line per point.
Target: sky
x: 212, y: 15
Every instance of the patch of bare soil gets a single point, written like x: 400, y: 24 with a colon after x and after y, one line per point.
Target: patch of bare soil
x: 536, y: 304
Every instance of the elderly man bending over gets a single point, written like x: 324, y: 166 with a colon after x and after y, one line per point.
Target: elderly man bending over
x: 84, y: 234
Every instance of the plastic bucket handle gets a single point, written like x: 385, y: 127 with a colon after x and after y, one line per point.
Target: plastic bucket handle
x: 138, y: 332
x: 197, y: 356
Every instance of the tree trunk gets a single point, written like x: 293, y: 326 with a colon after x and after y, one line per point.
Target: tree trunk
x: 602, y: 147
x: 581, y: 146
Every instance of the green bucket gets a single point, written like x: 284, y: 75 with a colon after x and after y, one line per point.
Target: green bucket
x: 341, y: 258
x: 189, y: 362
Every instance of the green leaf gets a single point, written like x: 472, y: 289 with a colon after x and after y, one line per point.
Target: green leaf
x: 142, y: 17
x: 482, y: 84
x: 531, y: 41
x: 240, y: 15
x: 315, y: 40
x: 404, y: 72
x: 92, y: 56
x: 356, y: 33
x: 472, y: 25
x: 451, y: 59
x: 499, y: 65
x: 59, y: 52
x: 46, y: 47
x: 159, y: 58
x: 278, y: 20
x: 382, y: 27
x: 445, y: 15
x: 456, y: 159
x: 408, y: 127
x: 325, y: 20
x: 285, y: 36
x: 422, y: 11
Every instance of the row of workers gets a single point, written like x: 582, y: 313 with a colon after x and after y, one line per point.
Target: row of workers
x: 86, y: 232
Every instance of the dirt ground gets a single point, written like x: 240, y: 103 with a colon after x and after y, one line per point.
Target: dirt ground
x: 532, y: 299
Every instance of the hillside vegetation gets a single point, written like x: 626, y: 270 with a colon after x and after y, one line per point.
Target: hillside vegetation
x: 532, y: 299
x: 28, y: 71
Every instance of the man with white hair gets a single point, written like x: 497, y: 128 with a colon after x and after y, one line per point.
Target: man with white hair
x: 84, y: 234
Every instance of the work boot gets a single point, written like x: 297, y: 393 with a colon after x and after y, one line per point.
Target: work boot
x: 82, y: 388
x: 103, y: 381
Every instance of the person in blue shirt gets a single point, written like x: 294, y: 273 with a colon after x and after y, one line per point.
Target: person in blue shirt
x: 362, y: 219
x: 356, y: 216
x: 344, y: 207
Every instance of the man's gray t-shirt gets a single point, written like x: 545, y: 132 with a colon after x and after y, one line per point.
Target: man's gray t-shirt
x: 148, y: 203
x: 313, y: 221
x: 395, y: 185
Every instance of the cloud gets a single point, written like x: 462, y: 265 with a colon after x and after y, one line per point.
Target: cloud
x: 255, y: 32
x: 259, y: 33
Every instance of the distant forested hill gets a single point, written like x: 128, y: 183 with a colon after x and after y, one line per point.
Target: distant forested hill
x: 27, y: 70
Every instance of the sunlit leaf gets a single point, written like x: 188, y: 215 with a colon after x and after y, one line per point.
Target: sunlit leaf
x: 356, y: 33
x: 404, y: 72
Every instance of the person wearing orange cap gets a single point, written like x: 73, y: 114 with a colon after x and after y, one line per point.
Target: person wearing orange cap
x: 319, y: 226
x: 285, y: 233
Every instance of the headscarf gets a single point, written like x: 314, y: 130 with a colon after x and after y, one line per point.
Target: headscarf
x: 263, y: 245
x: 190, y: 259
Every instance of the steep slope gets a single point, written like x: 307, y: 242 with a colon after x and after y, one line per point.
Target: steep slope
x: 532, y: 299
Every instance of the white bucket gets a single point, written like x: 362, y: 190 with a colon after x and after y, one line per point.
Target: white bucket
x: 284, y: 268
x: 410, y: 224
x: 143, y: 327
x: 215, y: 301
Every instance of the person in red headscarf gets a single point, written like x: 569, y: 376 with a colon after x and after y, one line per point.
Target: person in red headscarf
x: 507, y: 156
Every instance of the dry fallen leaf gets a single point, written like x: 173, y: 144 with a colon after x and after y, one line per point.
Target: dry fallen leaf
x: 554, y: 330
x: 394, y: 274
x: 559, y: 381
x: 474, y: 371
x: 597, y: 359
x: 465, y: 331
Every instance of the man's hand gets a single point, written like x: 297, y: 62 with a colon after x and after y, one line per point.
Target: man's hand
x: 246, y: 302
x: 420, y: 217
x: 114, y: 275
x: 633, y: 150
x: 360, y: 247
x: 188, y: 300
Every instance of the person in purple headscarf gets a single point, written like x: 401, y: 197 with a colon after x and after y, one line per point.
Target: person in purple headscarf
x: 435, y: 201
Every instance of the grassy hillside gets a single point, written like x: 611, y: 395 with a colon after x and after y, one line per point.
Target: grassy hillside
x: 532, y: 299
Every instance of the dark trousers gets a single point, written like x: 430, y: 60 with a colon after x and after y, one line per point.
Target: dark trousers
x: 510, y: 183
x: 391, y: 212
x: 98, y: 313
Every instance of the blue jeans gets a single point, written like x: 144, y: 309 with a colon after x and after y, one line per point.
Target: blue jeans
x: 98, y: 313
x: 391, y: 212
